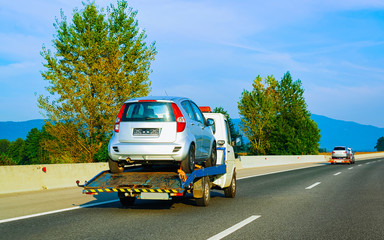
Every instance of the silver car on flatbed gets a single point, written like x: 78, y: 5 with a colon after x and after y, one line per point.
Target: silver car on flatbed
x: 161, y: 130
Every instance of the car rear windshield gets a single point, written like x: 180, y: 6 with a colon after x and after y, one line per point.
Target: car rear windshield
x: 339, y: 148
x: 148, y: 112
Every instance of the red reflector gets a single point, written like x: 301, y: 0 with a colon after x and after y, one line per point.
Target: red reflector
x: 205, y: 109
x: 44, y: 169
x: 91, y: 193
x: 147, y: 100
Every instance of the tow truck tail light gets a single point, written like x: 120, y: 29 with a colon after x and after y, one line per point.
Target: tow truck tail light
x: 180, y: 120
x: 118, y: 119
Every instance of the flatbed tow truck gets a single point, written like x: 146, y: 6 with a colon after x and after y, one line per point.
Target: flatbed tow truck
x: 164, y: 182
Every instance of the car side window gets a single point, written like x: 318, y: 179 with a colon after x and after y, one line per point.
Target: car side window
x: 228, y: 133
x: 198, y: 114
x: 187, y: 107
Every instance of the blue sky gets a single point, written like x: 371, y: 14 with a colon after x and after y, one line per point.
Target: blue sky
x: 210, y: 51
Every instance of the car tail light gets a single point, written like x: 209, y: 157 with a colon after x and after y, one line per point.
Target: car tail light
x: 333, y: 151
x: 180, y: 120
x: 118, y: 119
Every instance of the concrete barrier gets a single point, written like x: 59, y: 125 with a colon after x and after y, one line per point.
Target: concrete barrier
x: 369, y: 156
x: 32, y: 177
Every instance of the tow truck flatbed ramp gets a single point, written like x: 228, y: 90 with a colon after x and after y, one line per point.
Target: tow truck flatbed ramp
x: 138, y: 180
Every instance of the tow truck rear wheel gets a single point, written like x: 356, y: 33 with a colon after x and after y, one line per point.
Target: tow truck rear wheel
x: 211, y: 161
x: 126, y: 201
x: 204, y: 201
x: 115, y: 167
x: 188, y: 164
x: 230, y: 192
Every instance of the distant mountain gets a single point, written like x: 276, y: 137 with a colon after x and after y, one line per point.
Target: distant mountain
x: 361, y: 138
x: 343, y: 133
x: 333, y: 132
x: 15, y: 130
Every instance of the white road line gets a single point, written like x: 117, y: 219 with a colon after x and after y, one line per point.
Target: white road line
x: 56, y: 211
x: 350, y: 168
x: 337, y: 173
x: 359, y: 165
x: 368, y: 163
x: 313, y: 185
x: 234, y: 228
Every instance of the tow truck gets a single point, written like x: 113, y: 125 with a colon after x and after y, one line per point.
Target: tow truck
x: 165, y: 182
x: 342, y: 154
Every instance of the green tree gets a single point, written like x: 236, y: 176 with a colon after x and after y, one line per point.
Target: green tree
x: 275, y: 118
x: 380, y: 144
x: 34, y: 150
x: 4, y: 157
x: 295, y: 132
x: 4, y: 145
x: 258, y: 110
x: 16, y: 151
x: 100, y: 60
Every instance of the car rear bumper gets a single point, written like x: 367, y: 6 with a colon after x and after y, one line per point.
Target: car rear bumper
x: 340, y: 161
x: 137, y: 152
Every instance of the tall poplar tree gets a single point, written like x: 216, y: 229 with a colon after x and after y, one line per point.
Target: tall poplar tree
x: 100, y: 59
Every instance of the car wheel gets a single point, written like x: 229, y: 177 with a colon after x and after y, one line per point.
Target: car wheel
x: 204, y: 201
x: 115, y: 167
x: 211, y: 161
x: 230, y: 192
x: 188, y: 164
x: 126, y: 201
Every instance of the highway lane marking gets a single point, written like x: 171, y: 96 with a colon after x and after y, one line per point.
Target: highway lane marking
x: 313, y: 185
x: 337, y: 173
x: 234, y: 228
x: 56, y: 211
x: 359, y: 165
x: 350, y: 168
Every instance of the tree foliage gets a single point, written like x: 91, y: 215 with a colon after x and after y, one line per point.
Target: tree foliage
x: 23, y: 152
x: 258, y: 111
x: 380, y: 144
x: 275, y: 118
x: 100, y: 59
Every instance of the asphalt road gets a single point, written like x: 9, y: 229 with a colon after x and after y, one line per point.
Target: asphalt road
x: 323, y: 202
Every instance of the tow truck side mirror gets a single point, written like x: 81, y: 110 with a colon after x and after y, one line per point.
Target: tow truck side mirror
x: 210, y: 122
x: 238, y: 141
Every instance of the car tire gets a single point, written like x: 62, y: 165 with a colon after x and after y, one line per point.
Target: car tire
x: 230, y: 192
x: 204, y: 201
x: 115, y: 167
x: 188, y: 164
x: 211, y: 161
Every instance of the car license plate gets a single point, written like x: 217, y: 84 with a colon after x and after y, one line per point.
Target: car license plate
x: 146, y: 131
x: 154, y: 196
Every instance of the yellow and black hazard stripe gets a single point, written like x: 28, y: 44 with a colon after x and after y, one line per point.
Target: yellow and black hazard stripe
x: 130, y: 190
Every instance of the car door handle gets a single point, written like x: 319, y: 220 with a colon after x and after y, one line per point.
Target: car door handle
x: 192, y: 124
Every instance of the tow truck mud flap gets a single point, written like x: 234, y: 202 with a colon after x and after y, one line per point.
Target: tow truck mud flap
x: 154, y: 196
x: 198, y: 188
